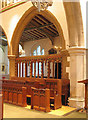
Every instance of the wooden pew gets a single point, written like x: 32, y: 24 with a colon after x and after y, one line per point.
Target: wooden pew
x: 65, y: 90
x: 1, y: 103
x: 40, y: 99
x: 1, y: 107
x: 14, y: 95
x: 55, y: 91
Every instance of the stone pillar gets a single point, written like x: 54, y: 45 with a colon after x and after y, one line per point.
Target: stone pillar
x: 77, y: 73
x: 12, y: 68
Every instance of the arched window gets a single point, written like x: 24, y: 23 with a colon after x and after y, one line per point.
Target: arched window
x: 38, y: 51
x: 34, y: 53
x: 43, y: 51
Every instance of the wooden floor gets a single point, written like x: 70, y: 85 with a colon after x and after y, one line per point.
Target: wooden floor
x: 12, y: 111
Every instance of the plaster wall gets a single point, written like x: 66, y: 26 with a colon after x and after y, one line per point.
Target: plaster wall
x: 30, y: 46
x: 4, y: 60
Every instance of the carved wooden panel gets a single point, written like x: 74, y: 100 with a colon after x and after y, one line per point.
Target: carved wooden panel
x: 20, y: 99
x: 10, y: 97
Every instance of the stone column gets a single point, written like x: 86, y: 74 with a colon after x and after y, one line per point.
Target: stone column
x: 77, y: 73
x: 12, y: 69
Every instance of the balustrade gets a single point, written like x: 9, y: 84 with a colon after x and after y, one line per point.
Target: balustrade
x: 5, y: 3
x: 35, y: 66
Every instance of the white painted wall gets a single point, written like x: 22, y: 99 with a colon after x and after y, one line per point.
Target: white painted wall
x: 30, y: 46
x: 4, y: 60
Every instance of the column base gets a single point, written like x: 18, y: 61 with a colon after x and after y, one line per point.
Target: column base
x: 77, y: 102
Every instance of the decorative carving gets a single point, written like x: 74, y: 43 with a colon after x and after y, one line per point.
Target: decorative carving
x: 42, y: 4
x: 52, y: 51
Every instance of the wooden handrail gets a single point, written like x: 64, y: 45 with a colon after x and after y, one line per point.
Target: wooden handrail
x: 40, y: 58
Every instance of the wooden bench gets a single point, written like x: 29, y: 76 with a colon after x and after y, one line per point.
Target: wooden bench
x: 1, y: 106
x: 55, y: 92
x: 14, y: 95
x: 65, y: 90
x: 40, y: 99
x: 57, y: 89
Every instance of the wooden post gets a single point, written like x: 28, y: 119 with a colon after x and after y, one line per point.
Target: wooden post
x: 34, y: 69
x: 57, y: 69
x: 53, y: 69
x: 16, y: 69
x: 19, y: 69
x: 85, y: 96
x: 22, y: 69
x: 26, y: 69
x: 32, y: 97
x: 28, y: 64
x: 47, y: 99
x: 48, y: 69
x: 1, y: 106
x: 24, y: 93
x: 38, y: 69
x: 42, y: 69
x: 30, y: 69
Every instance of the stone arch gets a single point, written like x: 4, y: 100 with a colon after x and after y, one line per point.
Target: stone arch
x: 75, y: 23
x: 2, y: 30
x: 25, y: 19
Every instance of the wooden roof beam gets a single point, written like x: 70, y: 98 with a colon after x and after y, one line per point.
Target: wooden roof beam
x: 47, y: 23
x: 41, y: 26
x: 47, y: 34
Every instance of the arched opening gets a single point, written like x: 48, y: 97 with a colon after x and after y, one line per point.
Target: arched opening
x: 33, y: 30
x: 25, y: 20
x: 40, y: 31
x: 4, y: 62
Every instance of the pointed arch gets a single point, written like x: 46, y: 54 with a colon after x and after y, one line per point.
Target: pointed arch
x: 75, y: 23
x: 25, y: 19
x: 2, y: 32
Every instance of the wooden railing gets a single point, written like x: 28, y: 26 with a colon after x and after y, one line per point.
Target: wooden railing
x: 7, y: 4
x: 45, y: 66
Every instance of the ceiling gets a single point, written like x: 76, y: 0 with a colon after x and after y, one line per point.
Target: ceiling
x: 39, y: 28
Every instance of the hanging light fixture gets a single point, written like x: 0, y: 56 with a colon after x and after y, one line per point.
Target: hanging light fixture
x: 42, y: 4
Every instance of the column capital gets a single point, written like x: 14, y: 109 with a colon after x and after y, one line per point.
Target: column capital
x: 77, y: 51
x: 64, y: 52
x: 13, y: 57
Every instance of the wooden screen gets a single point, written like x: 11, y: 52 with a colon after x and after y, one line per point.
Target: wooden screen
x: 39, y: 66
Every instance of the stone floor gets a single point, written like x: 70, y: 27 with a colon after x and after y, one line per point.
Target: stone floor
x: 12, y: 111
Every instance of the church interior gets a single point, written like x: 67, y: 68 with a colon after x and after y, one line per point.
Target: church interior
x: 43, y: 59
